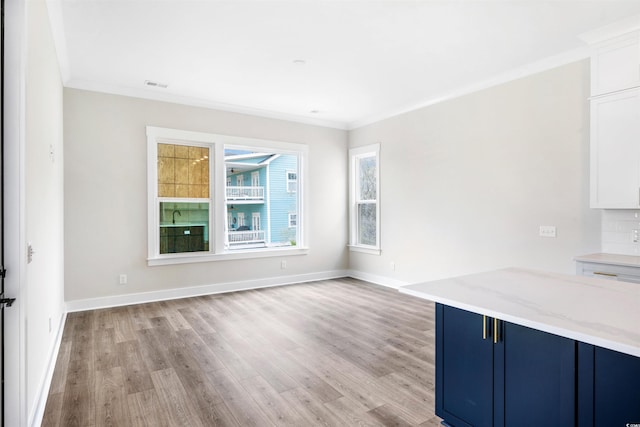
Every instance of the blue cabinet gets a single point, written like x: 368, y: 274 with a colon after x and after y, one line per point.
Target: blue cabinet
x: 539, y: 377
x: 464, y: 368
x: 495, y: 373
x: 608, y: 387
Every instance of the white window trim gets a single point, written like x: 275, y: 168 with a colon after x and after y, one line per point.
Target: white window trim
x: 217, y: 211
x: 287, y: 181
x: 354, y: 155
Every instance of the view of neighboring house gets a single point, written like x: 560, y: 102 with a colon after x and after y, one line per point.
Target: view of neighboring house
x: 261, y: 198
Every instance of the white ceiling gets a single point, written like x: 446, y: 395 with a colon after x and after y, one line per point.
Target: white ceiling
x: 363, y: 60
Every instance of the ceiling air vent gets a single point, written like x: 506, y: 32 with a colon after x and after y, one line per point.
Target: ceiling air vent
x: 155, y: 84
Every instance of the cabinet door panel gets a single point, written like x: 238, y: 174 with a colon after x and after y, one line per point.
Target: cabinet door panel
x: 615, y: 65
x: 615, y: 151
x: 464, y: 369
x: 616, y: 386
x: 539, y: 378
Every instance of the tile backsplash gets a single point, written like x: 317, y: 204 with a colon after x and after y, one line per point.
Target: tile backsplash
x: 618, y: 231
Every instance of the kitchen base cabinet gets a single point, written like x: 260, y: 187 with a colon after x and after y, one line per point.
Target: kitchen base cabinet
x: 495, y: 373
x: 464, y: 373
x: 539, y: 377
x: 608, y: 387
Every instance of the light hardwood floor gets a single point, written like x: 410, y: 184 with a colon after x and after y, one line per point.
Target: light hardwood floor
x: 331, y: 353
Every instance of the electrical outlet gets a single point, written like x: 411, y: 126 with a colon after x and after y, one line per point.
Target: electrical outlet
x: 123, y: 279
x: 547, y: 231
x: 283, y: 265
x: 635, y: 236
x: 393, y: 266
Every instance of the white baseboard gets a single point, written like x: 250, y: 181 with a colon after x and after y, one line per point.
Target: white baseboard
x: 194, y: 291
x: 378, y: 280
x: 37, y: 413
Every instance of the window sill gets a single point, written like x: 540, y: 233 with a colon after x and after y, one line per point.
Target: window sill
x: 189, y: 258
x: 365, y: 250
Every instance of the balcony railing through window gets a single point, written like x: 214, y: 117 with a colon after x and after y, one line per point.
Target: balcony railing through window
x: 245, y: 193
x: 246, y: 237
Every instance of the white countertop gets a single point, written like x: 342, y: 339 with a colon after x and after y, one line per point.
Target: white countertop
x: 602, y: 312
x: 615, y: 259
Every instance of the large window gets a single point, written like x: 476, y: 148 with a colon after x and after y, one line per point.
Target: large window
x: 364, y: 198
x: 202, y: 205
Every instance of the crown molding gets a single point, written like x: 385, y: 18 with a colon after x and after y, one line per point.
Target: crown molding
x: 615, y: 29
x: 156, y: 95
x: 513, y: 74
x: 54, y: 8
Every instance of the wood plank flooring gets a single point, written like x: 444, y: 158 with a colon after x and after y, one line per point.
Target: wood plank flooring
x: 329, y: 353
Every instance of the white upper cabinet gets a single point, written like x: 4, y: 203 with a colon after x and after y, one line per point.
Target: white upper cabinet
x: 615, y: 64
x: 615, y: 150
x: 615, y: 115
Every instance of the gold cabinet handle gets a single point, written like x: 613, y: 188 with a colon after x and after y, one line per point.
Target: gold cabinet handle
x: 600, y: 273
x: 495, y: 330
x: 484, y: 327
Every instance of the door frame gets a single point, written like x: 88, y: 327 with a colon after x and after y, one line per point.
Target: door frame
x: 14, y: 232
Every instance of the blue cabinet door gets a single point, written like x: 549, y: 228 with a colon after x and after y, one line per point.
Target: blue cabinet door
x: 608, y: 388
x: 512, y: 376
x: 464, y: 369
x: 539, y: 377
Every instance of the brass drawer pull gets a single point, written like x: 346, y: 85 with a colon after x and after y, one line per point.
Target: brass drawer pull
x: 600, y: 273
x: 495, y: 330
x: 484, y: 327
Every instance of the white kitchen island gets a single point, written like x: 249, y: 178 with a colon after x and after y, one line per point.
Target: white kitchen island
x: 522, y: 347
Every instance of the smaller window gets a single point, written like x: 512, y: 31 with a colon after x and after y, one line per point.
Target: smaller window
x: 292, y: 181
x: 293, y: 219
x: 364, y: 210
x: 241, y: 219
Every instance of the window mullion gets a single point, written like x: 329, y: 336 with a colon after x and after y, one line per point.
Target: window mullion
x: 219, y: 195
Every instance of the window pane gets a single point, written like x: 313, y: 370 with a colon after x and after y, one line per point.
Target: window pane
x: 260, y: 213
x: 183, y: 171
x: 367, y: 178
x: 184, y: 227
x: 367, y: 224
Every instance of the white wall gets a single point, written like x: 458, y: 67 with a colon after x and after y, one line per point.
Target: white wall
x: 106, y: 199
x: 44, y: 284
x: 466, y: 183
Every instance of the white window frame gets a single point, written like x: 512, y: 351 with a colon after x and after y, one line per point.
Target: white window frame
x: 293, y: 214
x: 354, y: 155
x: 217, y: 209
x: 295, y: 187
